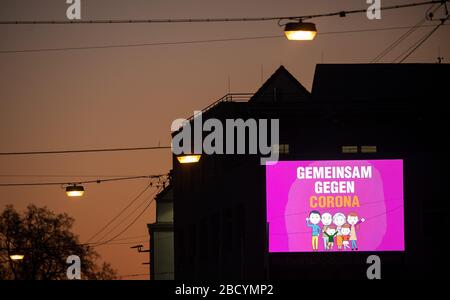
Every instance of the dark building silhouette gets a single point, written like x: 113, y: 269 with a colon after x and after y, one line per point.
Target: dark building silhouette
x: 377, y: 111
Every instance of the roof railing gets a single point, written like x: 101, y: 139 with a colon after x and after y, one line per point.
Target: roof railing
x: 230, y: 97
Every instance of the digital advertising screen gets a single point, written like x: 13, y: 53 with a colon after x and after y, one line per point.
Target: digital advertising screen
x: 335, y: 206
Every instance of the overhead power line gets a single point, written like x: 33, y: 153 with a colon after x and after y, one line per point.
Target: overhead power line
x: 61, y: 176
x: 398, y: 41
x: 428, y: 16
x: 132, y: 238
x: 123, y: 243
x: 114, y: 238
x: 419, y: 43
x: 195, y: 41
x: 80, y: 182
x: 84, y: 151
x: 104, y: 236
x: 128, y: 226
x: 141, y: 44
x: 216, y: 20
x: 119, y: 214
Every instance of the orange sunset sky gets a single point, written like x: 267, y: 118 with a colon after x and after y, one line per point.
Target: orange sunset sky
x: 128, y: 97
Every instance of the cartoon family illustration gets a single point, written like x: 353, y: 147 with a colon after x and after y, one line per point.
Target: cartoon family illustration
x: 337, y: 228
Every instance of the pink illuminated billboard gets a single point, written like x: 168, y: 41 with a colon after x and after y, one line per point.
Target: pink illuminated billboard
x: 345, y: 205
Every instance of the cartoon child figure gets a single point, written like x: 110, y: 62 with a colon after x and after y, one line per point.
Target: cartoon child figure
x: 326, y: 221
x: 330, y: 233
x: 354, y: 222
x: 312, y: 221
x: 339, y: 220
x: 345, y: 231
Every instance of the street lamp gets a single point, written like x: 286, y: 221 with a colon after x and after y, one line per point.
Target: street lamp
x: 16, y: 257
x: 299, y: 31
x: 75, y: 190
x: 188, y: 159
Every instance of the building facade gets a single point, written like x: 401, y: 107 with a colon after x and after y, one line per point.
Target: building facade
x: 378, y: 112
x: 161, y: 237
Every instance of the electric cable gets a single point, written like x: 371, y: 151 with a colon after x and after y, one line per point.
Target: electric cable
x: 16, y: 184
x: 84, y: 151
x: 119, y: 214
x: 127, y: 227
x: 418, y: 44
x: 176, y: 43
x: 213, y: 20
x: 124, y: 219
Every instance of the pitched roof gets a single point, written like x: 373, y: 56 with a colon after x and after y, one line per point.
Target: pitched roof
x: 281, y: 87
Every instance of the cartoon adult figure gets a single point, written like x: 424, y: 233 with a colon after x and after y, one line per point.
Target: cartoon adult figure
x: 312, y: 221
x: 339, y: 220
x: 330, y: 233
x: 345, y: 231
x: 326, y: 221
x: 354, y: 222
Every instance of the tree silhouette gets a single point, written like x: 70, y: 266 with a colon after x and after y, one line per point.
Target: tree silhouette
x: 46, y: 241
